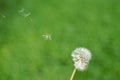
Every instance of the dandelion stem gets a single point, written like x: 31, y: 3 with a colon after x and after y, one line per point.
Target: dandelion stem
x: 73, y: 73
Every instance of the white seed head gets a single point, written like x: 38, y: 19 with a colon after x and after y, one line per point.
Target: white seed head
x: 81, y: 57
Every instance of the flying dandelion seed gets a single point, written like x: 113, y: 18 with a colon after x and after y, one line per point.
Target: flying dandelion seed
x: 47, y: 36
x: 3, y: 15
x: 81, y: 57
x: 27, y: 14
x: 21, y: 10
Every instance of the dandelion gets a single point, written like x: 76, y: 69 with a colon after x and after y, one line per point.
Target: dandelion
x: 81, y: 57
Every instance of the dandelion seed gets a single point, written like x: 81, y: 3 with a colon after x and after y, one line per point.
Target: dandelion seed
x: 47, y: 36
x: 22, y: 10
x: 3, y: 15
x: 24, y: 13
x: 81, y: 57
x: 27, y: 14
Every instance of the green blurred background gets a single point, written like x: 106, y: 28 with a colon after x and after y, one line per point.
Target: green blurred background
x: 26, y: 55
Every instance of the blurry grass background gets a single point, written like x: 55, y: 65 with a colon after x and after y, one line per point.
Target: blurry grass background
x: 26, y: 55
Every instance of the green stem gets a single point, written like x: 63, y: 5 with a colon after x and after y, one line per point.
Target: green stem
x: 73, y: 73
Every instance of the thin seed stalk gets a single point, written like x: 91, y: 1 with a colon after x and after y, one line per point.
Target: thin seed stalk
x: 73, y: 73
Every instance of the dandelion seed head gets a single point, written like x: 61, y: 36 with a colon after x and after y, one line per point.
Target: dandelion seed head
x: 81, y: 57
